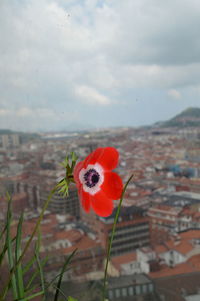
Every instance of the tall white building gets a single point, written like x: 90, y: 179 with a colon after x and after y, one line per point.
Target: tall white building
x: 9, y: 141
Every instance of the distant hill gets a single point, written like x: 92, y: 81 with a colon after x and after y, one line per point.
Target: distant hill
x: 188, y: 118
x: 5, y: 132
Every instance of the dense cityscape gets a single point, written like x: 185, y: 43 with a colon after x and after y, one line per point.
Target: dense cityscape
x: 157, y: 239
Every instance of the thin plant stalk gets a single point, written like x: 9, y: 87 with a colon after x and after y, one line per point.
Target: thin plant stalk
x: 62, y: 273
x: 4, y: 250
x: 2, y: 232
x: 41, y: 271
x: 37, y: 224
x: 35, y: 274
x: 33, y: 296
x: 112, y: 236
x: 61, y: 292
x: 19, y: 273
x: 10, y: 251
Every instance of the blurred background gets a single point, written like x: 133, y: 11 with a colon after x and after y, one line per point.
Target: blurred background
x: 76, y: 75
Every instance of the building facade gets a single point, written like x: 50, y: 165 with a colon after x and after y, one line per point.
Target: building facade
x: 132, y: 230
x: 9, y: 141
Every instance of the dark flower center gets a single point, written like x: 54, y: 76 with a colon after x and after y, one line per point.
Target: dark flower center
x: 91, y: 177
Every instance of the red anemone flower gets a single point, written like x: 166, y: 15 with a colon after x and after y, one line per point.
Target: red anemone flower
x: 97, y: 185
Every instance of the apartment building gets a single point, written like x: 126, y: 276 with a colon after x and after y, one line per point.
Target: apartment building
x: 164, y: 217
x: 9, y: 141
x: 132, y: 230
x: 61, y: 204
x: 134, y: 287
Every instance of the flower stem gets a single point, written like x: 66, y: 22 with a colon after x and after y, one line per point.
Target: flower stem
x: 112, y: 236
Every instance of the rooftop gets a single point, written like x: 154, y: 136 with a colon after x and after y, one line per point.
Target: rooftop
x: 124, y: 281
x: 172, y: 287
x: 117, y: 261
x: 124, y: 212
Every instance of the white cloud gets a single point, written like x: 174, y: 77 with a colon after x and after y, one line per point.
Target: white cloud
x: 26, y: 118
x: 24, y: 112
x: 38, y: 112
x: 173, y: 93
x: 91, y: 96
x: 56, y: 52
x: 4, y: 112
x: 29, y: 112
x: 104, y: 46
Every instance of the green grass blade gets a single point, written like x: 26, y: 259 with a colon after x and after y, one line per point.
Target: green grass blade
x: 41, y: 272
x: 32, y: 278
x: 54, y: 279
x: 61, y: 292
x: 37, y: 223
x: 71, y: 299
x: 19, y: 272
x: 3, y: 252
x: 28, y: 265
x: 3, y: 232
x: 10, y: 251
x: 33, y: 288
x: 35, y: 274
x: 3, y: 246
x: 38, y: 242
x: 61, y: 274
x: 32, y: 296
x: 4, y: 291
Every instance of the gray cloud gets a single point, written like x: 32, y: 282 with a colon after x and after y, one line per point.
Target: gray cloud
x: 155, y: 32
x: 67, y: 55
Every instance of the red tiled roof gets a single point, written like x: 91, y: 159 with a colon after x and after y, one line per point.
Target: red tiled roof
x: 190, y: 234
x: 182, y: 268
x: 123, y: 259
x: 84, y: 244
x: 195, y: 261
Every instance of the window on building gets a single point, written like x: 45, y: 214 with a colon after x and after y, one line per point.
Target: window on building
x: 150, y: 287
x: 124, y: 292
x: 130, y: 291
x: 144, y: 288
x: 138, y: 290
x: 110, y: 294
x: 117, y: 293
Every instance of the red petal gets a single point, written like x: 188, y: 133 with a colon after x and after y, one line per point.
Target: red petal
x: 107, y: 157
x: 93, y: 157
x: 77, y: 169
x: 85, y: 199
x: 101, y: 205
x: 112, y: 185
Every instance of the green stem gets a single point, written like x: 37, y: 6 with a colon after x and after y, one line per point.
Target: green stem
x: 62, y: 273
x: 10, y: 250
x: 32, y: 296
x: 5, y: 289
x: 37, y: 224
x: 112, y: 236
x: 40, y: 268
x: 19, y: 274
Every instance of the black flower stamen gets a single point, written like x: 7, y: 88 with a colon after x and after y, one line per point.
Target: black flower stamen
x: 91, y: 177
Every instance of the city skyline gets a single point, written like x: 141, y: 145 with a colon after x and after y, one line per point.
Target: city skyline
x: 93, y: 64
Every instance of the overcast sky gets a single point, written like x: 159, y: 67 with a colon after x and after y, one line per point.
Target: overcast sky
x: 68, y: 63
